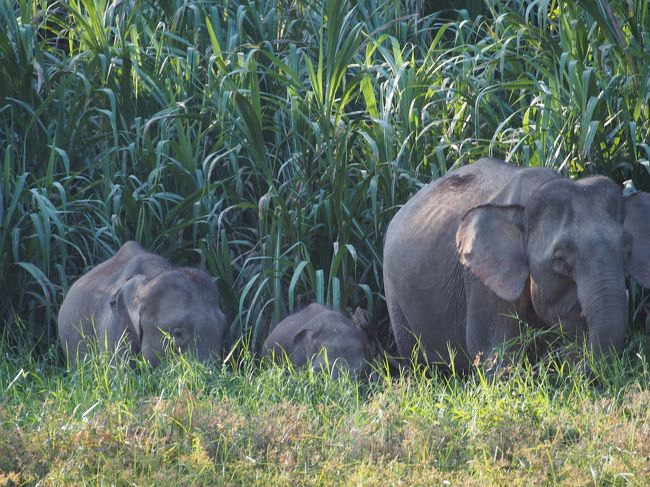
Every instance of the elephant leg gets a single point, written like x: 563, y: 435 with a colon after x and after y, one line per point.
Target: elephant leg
x: 490, y: 321
x: 404, y: 337
x: 74, y: 341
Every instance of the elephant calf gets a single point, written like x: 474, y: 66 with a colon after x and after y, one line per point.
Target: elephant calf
x: 323, y: 336
x: 140, y: 296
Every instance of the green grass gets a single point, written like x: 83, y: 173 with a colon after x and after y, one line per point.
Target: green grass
x: 245, y: 423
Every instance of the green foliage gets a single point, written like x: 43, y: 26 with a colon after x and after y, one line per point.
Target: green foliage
x: 273, y: 141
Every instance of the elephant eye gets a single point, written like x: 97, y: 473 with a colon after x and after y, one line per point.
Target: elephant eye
x: 178, y: 335
x: 561, y: 266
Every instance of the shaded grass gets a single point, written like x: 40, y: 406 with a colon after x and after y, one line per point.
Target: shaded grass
x: 241, y: 423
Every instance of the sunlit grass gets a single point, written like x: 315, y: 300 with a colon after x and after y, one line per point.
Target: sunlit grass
x: 188, y: 423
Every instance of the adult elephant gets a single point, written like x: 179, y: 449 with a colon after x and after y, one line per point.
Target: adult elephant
x: 141, y: 298
x: 490, y: 241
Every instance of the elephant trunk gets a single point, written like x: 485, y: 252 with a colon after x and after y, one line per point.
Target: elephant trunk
x: 604, y: 305
x: 203, y: 352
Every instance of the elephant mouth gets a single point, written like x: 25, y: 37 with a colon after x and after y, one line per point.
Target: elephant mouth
x: 576, y: 310
x: 574, y: 320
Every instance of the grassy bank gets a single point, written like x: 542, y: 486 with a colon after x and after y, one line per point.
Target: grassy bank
x: 244, y: 424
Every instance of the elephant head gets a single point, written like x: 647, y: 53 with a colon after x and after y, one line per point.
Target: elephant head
x: 336, y: 348
x: 323, y: 337
x: 180, y: 304
x: 568, y: 248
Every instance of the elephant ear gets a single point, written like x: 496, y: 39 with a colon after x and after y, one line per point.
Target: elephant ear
x: 125, y: 304
x: 490, y: 243
x: 637, y: 224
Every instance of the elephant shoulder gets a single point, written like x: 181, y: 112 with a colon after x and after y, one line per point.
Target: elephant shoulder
x: 444, y: 201
x: 107, y: 271
x: 101, y: 282
x: 292, y: 324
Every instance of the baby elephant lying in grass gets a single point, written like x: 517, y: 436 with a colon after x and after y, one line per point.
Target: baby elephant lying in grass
x: 325, y: 337
x: 139, y: 297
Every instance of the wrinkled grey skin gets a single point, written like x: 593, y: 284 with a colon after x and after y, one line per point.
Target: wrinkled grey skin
x: 490, y: 240
x: 141, y: 295
x: 323, y: 336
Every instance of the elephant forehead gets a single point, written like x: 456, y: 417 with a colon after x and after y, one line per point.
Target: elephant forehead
x: 570, y: 202
x: 341, y: 335
x: 168, y: 310
x: 172, y: 303
x: 172, y: 285
x: 330, y: 325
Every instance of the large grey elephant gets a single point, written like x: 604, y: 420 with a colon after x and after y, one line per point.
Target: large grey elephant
x: 142, y: 296
x: 326, y: 337
x: 490, y: 241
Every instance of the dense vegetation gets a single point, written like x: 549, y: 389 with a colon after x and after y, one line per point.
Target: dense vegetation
x: 272, y: 142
